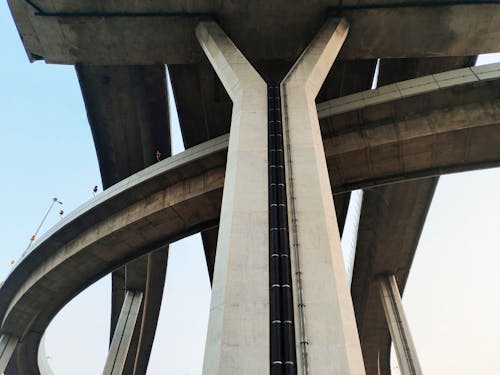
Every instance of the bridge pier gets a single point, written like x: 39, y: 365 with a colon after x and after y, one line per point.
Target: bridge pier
x: 8, y: 344
x: 398, y: 326
x: 238, y: 328
x: 249, y: 317
x: 329, y: 340
x: 119, y: 349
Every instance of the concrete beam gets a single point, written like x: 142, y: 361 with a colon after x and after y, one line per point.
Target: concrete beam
x: 398, y: 326
x: 127, y: 108
x: 437, y: 124
x: 167, y: 201
x: 385, y: 243
x: 326, y: 335
x: 392, y: 218
x: 238, y: 328
x: 65, y: 32
x: 119, y: 349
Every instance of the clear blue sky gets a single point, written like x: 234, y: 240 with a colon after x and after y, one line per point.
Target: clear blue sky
x: 452, y: 296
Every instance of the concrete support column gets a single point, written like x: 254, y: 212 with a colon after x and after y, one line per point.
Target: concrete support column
x: 238, y: 328
x: 8, y: 344
x: 326, y: 333
x: 124, y: 331
x: 398, y: 326
x: 156, y: 269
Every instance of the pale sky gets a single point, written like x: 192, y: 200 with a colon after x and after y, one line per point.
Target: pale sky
x: 452, y: 299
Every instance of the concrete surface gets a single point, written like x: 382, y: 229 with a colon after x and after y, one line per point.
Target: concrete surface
x: 137, y: 33
x: 436, y: 124
x: 120, y: 345
x: 398, y: 326
x: 394, y: 30
x: 238, y: 326
x: 169, y: 200
x: 7, y: 346
x: 127, y: 109
x: 328, y: 339
x: 392, y: 218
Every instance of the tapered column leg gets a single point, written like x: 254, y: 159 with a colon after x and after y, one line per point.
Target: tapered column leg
x: 398, y: 326
x: 8, y: 344
x: 326, y: 334
x: 238, y: 329
x: 122, y: 337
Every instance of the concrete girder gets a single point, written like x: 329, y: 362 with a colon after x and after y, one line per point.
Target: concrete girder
x: 111, y: 33
x: 160, y: 204
x: 221, y: 159
x: 385, y: 243
x: 428, y: 126
x: 127, y: 108
x: 447, y: 101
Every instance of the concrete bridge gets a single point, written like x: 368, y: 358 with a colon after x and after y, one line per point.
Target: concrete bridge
x: 432, y: 114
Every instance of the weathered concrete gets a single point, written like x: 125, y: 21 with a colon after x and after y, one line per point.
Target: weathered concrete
x: 326, y: 335
x: 492, y: 158
x: 127, y: 108
x: 167, y: 201
x: 120, y: 345
x: 153, y: 279
x: 398, y: 326
x: 7, y: 346
x: 441, y: 123
x: 112, y: 33
x: 385, y: 243
x: 238, y: 328
x: 204, y: 112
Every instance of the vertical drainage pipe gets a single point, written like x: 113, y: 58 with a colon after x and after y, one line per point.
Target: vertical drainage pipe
x: 283, y: 356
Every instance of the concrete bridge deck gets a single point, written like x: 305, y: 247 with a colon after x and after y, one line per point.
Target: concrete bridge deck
x: 181, y: 195
x: 158, y: 32
x: 119, y: 51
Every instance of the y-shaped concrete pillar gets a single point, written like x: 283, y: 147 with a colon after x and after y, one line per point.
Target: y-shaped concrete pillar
x: 326, y: 333
x: 238, y: 328
x: 122, y: 337
x: 398, y: 326
x: 7, y: 346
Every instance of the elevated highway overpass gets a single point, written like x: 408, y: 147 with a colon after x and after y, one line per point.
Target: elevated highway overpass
x: 181, y: 195
x: 367, y: 143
